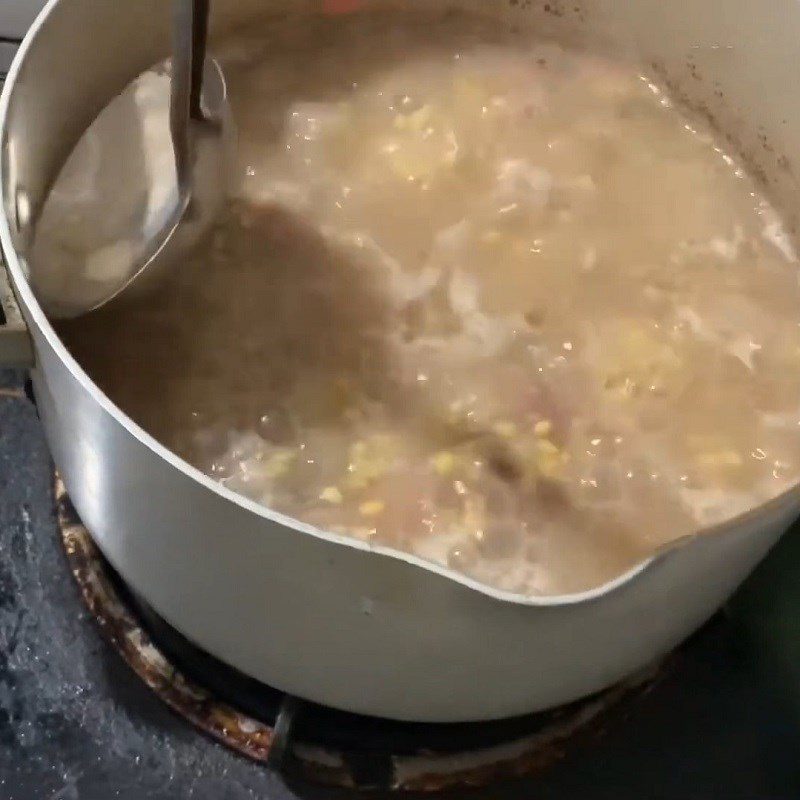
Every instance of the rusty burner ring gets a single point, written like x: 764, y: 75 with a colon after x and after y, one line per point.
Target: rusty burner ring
x: 309, y: 741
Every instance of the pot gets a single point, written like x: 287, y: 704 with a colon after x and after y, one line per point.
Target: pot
x: 329, y: 619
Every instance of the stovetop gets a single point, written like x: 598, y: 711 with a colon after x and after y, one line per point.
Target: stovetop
x: 77, y: 724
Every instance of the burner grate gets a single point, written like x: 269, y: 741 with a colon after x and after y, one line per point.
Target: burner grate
x: 304, y: 739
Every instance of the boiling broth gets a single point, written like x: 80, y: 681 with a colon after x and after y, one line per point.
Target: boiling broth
x: 498, y: 304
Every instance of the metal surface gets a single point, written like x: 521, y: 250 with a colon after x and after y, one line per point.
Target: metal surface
x: 16, y: 16
x: 319, y: 744
x: 199, y: 124
x: 371, y: 630
x: 16, y: 347
x: 8, y: 49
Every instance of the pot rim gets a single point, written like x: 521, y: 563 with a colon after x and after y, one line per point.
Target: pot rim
x: 36, y: 314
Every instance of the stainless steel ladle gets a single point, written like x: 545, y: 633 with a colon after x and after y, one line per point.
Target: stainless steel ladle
x: 199, y: 125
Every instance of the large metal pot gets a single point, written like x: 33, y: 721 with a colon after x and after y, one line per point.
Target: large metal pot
x: 316, y: 615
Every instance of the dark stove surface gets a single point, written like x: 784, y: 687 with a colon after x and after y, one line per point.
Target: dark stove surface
x: 76, y: 724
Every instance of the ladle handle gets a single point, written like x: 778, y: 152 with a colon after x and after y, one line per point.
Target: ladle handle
x: 190, y: 33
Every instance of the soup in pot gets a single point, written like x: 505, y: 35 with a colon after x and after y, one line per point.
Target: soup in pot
x: 498, y: 304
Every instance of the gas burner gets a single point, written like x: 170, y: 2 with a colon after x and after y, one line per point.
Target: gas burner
x: 307, y: 740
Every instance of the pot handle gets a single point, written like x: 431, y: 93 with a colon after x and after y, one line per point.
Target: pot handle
x: 16, y: 346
